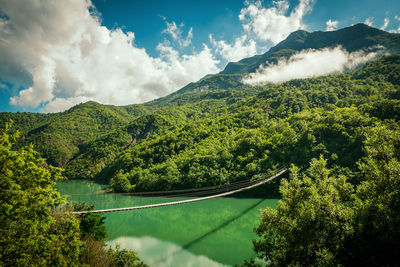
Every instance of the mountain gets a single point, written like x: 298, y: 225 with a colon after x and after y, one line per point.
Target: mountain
x: 218, y: 130
x: 353, y: 38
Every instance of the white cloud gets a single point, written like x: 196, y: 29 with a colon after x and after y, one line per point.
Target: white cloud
x: 398, y: 29
x: 369, y: 21
x: 309, y: 63
x: 62, y: 55
x: 176, y: 33
x: 241, y: 48
x: 385, y: 24
x: 272, y: 24
x: 332, y: 25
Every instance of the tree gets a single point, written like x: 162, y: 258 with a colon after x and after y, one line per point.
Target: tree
x: 120, y: 183
x: 124, y: 258
x: 33, y: 232
x: 90, y: 224
x: 310, y: 222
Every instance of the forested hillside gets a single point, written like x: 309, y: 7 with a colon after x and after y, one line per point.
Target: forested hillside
x: 219, y: 131
x: 283, y: 124
x: 58, y: 136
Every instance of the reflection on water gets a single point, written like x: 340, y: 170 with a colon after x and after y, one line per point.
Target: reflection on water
x: 216, y: 231
x: 163, y: 254
x: 78, y: 187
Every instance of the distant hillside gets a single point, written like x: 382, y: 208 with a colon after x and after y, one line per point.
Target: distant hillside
x: 353, y: 38
x: 58, y: 136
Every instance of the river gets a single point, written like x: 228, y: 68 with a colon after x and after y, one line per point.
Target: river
x: 215, y: 232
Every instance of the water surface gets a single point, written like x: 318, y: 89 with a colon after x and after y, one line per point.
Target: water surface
x: 213, y: 232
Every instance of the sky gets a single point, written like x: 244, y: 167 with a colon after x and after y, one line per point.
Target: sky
x: 56, y: 54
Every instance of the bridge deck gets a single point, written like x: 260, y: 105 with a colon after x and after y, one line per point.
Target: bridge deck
x: 188, y: 200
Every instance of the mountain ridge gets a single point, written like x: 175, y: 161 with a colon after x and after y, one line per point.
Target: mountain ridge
x: 353, y: 38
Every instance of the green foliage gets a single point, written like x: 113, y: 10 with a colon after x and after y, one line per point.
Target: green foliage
x: 91, y: 225
x: 58, y: 136
x: 35, y: 230
x: 322, y: 220
x: 33, y: 233
x: 24, y: 122
x: 96, y: 254
x: 120, y: 183
x: 376, y: 240
x: 386, y: 69
x: 311, y: 221
x: 385, y: 110
x: 240, y: 146
x: 124, y: 258
x: 95, y: 155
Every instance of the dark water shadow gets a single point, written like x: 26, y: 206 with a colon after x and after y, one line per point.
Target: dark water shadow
x: 213, y: 231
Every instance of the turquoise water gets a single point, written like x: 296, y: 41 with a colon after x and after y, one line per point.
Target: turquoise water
x: 215, y: 232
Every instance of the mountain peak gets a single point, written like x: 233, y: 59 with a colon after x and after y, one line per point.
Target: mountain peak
x: 297, y: 34
x: 352, y: 38
x: 360, y: 25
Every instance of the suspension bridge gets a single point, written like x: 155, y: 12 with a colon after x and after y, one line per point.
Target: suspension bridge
x: 215, y: 191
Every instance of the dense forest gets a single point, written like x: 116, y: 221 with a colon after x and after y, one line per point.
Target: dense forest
x: 326, y: 218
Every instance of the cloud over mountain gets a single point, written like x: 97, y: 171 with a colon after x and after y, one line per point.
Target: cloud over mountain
x: 309, y: 63
x: 241, y: 48
x: 273, y: 24
x: 331, y: 25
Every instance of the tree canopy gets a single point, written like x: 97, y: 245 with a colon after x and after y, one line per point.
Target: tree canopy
x: 33, y: 233
x: 35, y: 229
x: 323, y: 220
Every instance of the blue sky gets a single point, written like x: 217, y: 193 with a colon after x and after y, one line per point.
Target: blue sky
x: 55, y: 54
x: 222, y: 19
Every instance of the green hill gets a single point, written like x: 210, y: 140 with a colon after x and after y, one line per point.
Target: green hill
x: 58, y: 136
